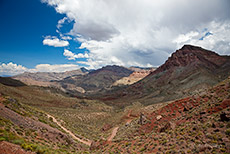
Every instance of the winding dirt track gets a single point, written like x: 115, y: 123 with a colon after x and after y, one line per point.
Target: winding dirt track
x: 115, y: 129
x: 113, y: 134
x: 87, y: 142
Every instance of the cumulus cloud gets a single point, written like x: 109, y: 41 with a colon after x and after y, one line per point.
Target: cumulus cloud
x: 144, y: 32
x: 71, y: 56
x: 12, y: 69
x: 54, y: 41
x: 214, y: 37
x: 54, y: 68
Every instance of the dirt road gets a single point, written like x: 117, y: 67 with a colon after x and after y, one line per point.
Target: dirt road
x: 115, y: 129
x: 113, y: 134
x: 87, y: 142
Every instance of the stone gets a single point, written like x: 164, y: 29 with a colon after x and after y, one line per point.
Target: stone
x: 169, y: 125
x: 158, y: 117
x: 142, y: 119
x: 186, y: 109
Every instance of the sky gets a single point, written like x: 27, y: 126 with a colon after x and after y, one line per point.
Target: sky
x: 62, y: 35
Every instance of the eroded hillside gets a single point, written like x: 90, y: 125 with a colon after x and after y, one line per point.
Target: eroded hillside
x: 196, y: 124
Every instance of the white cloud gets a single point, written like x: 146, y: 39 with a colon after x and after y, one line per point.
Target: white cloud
x: 71, y: 56
x: 66, y: 38
x: 12, y: 69
x: 128, y: 32
x: 55, y: 68
x: 61, y: 21
x: 219, y: 39
x: 54, y: 41
x: 182, y: 38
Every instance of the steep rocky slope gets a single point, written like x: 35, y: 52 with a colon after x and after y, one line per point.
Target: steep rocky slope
x: 187, y: 70
x: 196, y: 124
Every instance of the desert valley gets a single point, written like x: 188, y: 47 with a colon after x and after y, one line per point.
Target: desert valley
x: 115, y: 77
x: 183, y: 106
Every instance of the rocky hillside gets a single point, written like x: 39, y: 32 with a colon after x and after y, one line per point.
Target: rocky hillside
x: 45, y: 78
x: 96, y: 80
x: 187, y: 70
x: 24, y: 129
x: 196, y: 124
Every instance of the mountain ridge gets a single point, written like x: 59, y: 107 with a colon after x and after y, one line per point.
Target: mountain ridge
x: 185, y: 72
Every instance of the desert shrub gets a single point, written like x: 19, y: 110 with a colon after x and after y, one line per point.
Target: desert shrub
x: 18, y: 141
x: 227, y: 132
x: 142, y: 149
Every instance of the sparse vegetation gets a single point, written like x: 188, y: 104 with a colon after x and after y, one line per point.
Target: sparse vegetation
x: 171, y: 127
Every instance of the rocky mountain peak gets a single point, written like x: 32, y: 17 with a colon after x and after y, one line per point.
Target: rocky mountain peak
x: 191, y: 55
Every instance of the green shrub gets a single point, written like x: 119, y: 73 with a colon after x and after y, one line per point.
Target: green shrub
x: 227, y: 132
x: 142, y: 149
x: 2, y: 139
x: 18, y: 141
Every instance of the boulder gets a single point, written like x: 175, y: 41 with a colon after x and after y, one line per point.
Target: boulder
x: 167, y: 126
x: 142, y: 119
x: 158, y: 117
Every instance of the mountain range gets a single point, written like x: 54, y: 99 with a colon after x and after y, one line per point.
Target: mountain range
x: 187, y: 71
x: 180, y: 107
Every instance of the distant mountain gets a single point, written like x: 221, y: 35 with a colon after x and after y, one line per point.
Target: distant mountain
x: 137, y: 68
x: 96, y: 80
x: 11, y: 82
x: 45, y: 78
x: 187, y: 70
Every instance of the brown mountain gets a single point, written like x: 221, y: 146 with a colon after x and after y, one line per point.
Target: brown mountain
x: 45, y: 78
x: 11, y: 82
x: 94, y: 81
x: 187, y: 70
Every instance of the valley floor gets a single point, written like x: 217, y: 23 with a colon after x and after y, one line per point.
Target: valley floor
x: 43, y: 122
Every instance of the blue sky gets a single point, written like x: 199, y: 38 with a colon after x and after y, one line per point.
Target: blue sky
x: 61, y: 35
x: 24, y: 25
